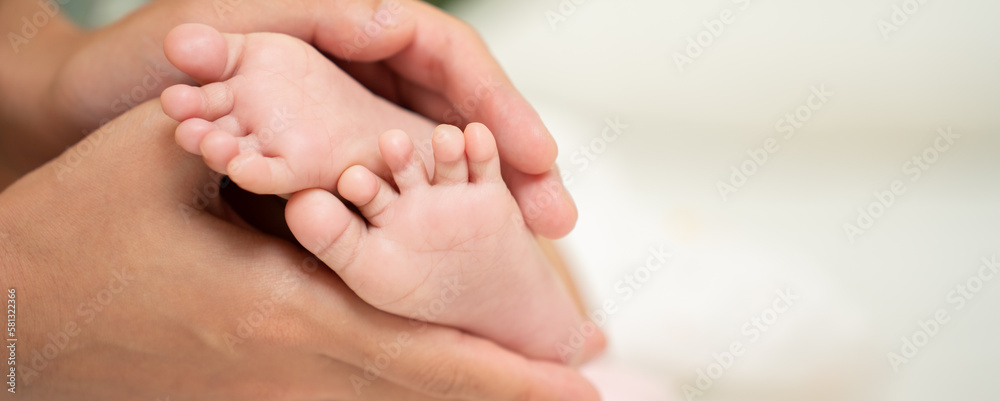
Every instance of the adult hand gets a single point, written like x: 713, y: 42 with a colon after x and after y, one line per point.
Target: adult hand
x: 404, y: 50
x: 134, y: 281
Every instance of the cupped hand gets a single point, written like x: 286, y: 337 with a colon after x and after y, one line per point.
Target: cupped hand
x: 405, y: 50
x: 134, y: 281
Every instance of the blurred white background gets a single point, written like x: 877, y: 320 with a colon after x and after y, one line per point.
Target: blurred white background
x: 656, y: 184
x: 896, y: 78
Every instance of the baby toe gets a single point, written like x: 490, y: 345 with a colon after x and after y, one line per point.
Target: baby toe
x: 481, y: 150
x: 450, y: 166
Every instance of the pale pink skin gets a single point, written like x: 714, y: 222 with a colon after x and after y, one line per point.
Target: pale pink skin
x: 277, y: 117
x: 333, y: 117
x: 450, y: 245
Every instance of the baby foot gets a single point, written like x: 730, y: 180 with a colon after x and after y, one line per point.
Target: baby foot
x: 326, y: 121
x: 451, y: 249
x: 276, y: 115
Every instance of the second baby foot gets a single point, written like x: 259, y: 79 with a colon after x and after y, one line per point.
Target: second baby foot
x: 451, y: 249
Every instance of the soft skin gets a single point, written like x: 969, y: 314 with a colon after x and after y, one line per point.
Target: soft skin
x: 109, y: 225
x: 420, y: 244
x: 66, y: 82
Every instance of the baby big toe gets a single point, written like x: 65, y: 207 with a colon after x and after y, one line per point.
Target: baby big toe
x: 324, y: 226
x: 197, y: 50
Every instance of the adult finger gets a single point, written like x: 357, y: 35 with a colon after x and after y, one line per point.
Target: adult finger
x: 547, y: 207
x: 433, y: 360
x: 437, y: 51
